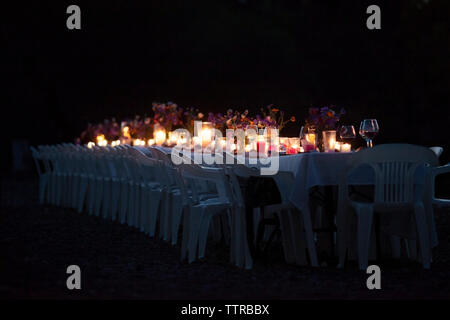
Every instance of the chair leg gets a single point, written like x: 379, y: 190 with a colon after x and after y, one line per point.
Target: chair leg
x: 310, y: 237
x: 123, y: 202
x: 287, y: 236
x: 176, y: 218
x: 154, y: 208
x: 106, y: 208
x: 130, y: 208
x: 196, y: 217
x: 98, y: 196
x: 365, y: 217
x: 136, y: 206
x: 203, y: 235
x: 422, y: 231
x: 186, y: 232
x: 298, y: 237
x: 75, y: 190
x: 82, y: 193
x: 115, y: 197
x: 143, y: 212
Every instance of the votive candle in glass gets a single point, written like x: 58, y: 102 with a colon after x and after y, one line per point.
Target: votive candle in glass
x: 206, y: 133
x: 159, y: 134
x: 329, y: 140
x: 346, y: 147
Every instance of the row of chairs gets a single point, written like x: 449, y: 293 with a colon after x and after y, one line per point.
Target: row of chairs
x: 123, y: 184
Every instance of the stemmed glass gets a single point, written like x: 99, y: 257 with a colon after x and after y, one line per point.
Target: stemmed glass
x: 368, y: 130
x: 347, y: 133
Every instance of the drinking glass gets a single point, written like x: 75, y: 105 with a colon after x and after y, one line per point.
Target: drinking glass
x: 368, y: 130
x: 347, y: 132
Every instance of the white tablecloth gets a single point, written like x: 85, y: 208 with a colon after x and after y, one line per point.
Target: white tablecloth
x: 322, y: 169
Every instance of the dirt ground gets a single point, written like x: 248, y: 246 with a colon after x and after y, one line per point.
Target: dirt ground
x: 38, y: 243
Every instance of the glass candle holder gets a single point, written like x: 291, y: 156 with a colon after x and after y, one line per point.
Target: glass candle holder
x: 346, y: 147
x: 311, y: 139
x: 329, y: 140
x: 294, y: 146
x: 206, y: 133
x: 337, y: 146
x: 261, y: 144
x: 159, y: 134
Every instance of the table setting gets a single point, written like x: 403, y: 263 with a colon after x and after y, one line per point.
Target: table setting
x: 248, y: 161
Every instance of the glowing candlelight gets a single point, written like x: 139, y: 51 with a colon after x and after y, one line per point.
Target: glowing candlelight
x: 159, y: 134
x: 337, y: 146
x: 173, y: 138
x: 346, y: 147
x: 294, y: 146
x: 329, y: 140
x: 101, y: 141
x: 206, y: 133
x: 90, y: 144
x: 311, y: 138
x: 115, y: 143
x: 261, y: 144
x: 150, y: 142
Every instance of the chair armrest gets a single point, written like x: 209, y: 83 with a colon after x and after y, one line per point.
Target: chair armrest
x: 435, y: 172
x: 440, y: 170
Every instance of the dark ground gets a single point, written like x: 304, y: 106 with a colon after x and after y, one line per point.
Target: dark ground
x: 37, y: 244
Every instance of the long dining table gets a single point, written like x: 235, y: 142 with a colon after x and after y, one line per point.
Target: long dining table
x: 319, y: 169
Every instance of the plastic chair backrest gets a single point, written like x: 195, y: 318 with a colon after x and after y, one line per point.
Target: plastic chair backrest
x: 394, y: 166
x: 214, y: 175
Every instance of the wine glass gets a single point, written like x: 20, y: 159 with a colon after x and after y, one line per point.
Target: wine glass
x: 368, y: 130
x: 347, y: 133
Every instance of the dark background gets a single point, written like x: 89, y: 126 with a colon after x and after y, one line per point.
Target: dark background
x: 216, y: 54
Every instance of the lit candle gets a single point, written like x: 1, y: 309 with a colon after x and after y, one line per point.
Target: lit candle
x: 311, y: 139
x: 90, y: 144
x: 159, y: 135
x: 151, y: 142
x: 261, y: 144
x: 329, y: 140
x: 294, y: 146
x: 101, y: 140
x: 173, y: 138
x: 126, y: 135
x: 346, y: 147
x: 337, y: 146
x: 206, y: 133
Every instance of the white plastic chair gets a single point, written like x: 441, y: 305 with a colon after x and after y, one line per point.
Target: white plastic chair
x: 199, y: 213
x: 394, y: 167
x: 293, y: 230
x: 44, y: 172
x: 149, y: 190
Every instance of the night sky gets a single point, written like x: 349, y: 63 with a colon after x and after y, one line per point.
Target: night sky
x: 226, y: 53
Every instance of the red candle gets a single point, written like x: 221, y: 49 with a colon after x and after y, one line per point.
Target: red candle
x: 261, y: 145
x: 308, y: 147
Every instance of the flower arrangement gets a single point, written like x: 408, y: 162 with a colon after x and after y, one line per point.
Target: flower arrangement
x: 171, y: 116
x: 167, y: 115
x: 274, y: 118
x: 324, y: 118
